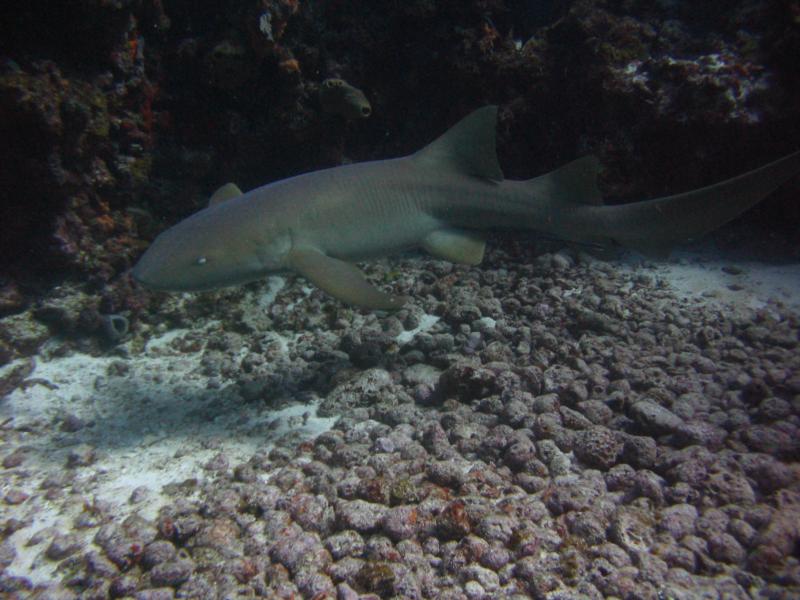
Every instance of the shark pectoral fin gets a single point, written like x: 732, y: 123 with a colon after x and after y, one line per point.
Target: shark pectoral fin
x: 341, y: 280
x: 226, y: 192
x: 456, y: 246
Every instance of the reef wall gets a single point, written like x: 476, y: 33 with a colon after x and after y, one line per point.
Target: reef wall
x: 119, y: 117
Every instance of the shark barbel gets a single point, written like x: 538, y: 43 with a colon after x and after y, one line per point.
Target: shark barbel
x: 439, y: 199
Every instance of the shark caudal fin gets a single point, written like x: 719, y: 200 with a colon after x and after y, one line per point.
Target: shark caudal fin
x: 654, y: 226
x: 469, y: 147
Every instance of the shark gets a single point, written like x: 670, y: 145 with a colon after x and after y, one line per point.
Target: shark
x: 442, y: 198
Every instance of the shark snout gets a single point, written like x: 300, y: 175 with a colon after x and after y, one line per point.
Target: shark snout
x: 152, y: 272
x: 142, y: 275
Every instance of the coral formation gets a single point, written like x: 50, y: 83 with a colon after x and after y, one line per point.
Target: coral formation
x: 574, y: 77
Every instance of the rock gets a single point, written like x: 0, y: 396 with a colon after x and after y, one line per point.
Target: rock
x: 725, y: 548
x: 678, y: 520
x: 378, y: 577
x: 171, y: 573
x: 699, y: 433
x: 769, y: 440
x: 654, y: 419
x: 313, y: 584
x: 158, y: 552
x: 632, y: 529
x: 587, y: 526
x: 447, y: 474
x: 467, y: 382
x: 725, y: 487
x: 312, y: 513
x: 598, y: 447
x: 486, y: 578
x: 453, y: 522
x: 495, y: 557
x: 62, y: 546
x: 345, y: 543
x: 82, y: 455
x: 573, y: 493
x: 769, y: 474
x: 298, y: 551
x: 639, y: 451
x: 421, y: 374
x: 362, y: 516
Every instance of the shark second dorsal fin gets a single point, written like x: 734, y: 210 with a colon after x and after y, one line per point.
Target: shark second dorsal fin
x: 469, y: 146
x: 571, y: 184
x: 576, y: 181
x: 226, y: 192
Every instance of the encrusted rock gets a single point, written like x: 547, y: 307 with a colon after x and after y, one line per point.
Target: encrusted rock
x: 171, y: 573
x: 401, y: 522
x: 62, y: 546
x: 631, y: 528
x: 158, y: 552
x: 678, y: 520
x: 654, y: 418
x: 345, y: 543
x: 598, y: 447
x: 359, y: 515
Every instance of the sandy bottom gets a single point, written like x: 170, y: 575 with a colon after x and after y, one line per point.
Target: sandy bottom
x: 155, y: 418
x: 743, y: 285
x: 157, y: 423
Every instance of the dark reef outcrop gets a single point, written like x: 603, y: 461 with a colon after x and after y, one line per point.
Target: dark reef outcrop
x: 119, y: 117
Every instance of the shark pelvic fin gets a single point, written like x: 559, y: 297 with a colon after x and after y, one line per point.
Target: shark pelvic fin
x: 341, y: 280
x: 226, y: 192
x: 455, y: 246
x: 469, y: 146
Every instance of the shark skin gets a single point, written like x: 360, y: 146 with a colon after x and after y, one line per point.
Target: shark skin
x: 438, y: 199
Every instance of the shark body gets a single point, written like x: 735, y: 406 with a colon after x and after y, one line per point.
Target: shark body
x: 439, y: 199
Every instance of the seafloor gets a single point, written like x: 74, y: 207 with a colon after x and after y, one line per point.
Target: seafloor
x: 537, y: 427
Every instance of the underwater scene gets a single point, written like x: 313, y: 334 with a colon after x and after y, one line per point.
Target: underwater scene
x: 408, y: 299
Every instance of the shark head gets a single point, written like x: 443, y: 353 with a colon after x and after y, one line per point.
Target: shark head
x: 213, y: 248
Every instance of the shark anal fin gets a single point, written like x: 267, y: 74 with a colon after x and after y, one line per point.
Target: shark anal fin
x: 341, y: 280
x: 224, y: 193
x: 456, y: 246
x: 652, y: 249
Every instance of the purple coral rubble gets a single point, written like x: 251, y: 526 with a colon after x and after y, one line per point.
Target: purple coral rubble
x: 424, y: 507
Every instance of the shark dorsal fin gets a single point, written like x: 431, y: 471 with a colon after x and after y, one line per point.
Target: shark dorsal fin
x: 226, y: 192
x: 469, y: 146
x: 576, y: 181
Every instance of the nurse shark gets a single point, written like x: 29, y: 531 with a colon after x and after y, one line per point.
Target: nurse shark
x: 439, y: 199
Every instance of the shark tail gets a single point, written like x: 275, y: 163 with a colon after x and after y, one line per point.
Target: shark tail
x: 654, y: 226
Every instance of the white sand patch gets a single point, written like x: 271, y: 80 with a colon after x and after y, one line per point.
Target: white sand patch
x: 425, y: 323
x: 704, y: 276
x: 150, y: 421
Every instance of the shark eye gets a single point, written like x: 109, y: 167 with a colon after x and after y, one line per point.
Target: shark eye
x: 202, y: 260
